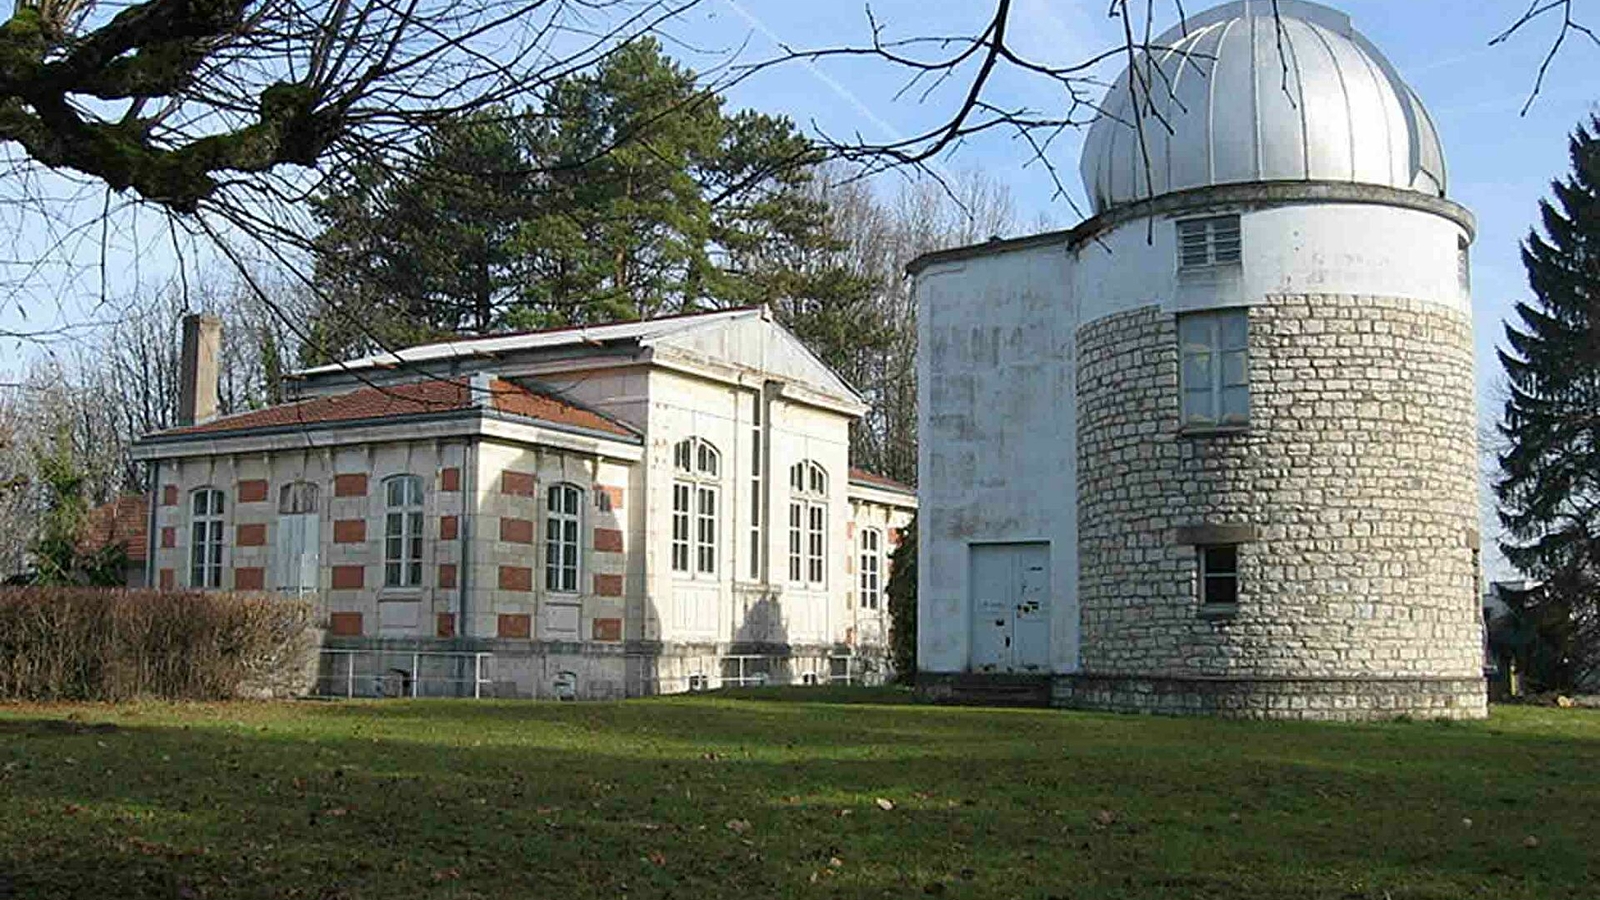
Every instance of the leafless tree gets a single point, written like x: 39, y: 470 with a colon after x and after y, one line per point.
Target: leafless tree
x: 224, y: 116
x: 881, y: 237
x: 982, y: 68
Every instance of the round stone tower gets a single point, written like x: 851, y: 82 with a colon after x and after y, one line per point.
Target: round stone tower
x: 1276, y: 450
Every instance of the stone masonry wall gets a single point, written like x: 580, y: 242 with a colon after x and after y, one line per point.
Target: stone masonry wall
x: 1357, y: 475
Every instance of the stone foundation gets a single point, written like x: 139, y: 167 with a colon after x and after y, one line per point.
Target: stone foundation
x: 1309, y: 699
x: 582, y: 670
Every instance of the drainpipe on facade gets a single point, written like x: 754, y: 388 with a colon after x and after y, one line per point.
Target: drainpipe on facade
x: 469, y: 502
x: 150, y: 536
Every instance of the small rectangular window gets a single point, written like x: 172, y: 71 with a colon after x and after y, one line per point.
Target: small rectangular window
x: 1219, y: 575
x: 1464, y: 264
x: 1214, y: 367
x: 1213, y: 241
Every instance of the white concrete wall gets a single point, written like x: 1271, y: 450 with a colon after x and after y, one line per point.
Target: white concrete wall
x: 698, y: 608
x: 1328, y: 248
x: 997, y: 392
x: 997, y: 464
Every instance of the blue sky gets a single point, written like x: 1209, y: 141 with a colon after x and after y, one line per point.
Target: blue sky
x: 1501, y: 163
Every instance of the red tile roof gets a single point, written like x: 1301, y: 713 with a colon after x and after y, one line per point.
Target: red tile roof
x: 862, y: 476
x: 124, y: 521
x: 411, y: 399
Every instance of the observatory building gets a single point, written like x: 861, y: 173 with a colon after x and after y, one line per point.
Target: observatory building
x: 1213, y: 450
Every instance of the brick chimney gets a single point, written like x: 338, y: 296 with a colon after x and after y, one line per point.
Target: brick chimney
x: 198, y: 373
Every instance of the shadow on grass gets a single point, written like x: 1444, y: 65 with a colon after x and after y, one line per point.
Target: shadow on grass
x: 715, y: 797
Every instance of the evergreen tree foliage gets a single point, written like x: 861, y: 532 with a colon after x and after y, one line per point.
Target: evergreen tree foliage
x: 902, y: 591
x: 1549, y: 488
x: 625, y: 192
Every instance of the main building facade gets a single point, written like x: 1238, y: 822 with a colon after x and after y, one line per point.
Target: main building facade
x: 1214, y: 449
x: 593, y: 512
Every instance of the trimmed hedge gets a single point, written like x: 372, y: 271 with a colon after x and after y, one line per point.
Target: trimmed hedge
x: 110, y: 645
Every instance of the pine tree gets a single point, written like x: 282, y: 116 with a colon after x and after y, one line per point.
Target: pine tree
x: 1549, y: 488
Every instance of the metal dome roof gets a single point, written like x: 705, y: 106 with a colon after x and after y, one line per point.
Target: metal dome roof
x: 1234, y: 96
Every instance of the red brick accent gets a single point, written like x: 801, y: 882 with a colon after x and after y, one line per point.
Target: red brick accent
x: 169, y: 538
x: 349, y: 578
x: 608, y: 540
x: 345, y: 624
x: 894, y: 537
x: 450, y: 479
x: 515, y: 626
x: 166, y: 579
x: 169, y: 495
x: 520, y: 484
x: 249, y: 579
x: 349, y: 531
x: 850, y: 530
x: 250, y: 535
x: 516, y: 578
x: 350, y: 485
x: 447, y: 576
x: 613, y: 497
x: 449, y: 528
x: 253, y: 491
x: 608, y: 585
x: 446, y: 625
x: 516, y: 531
x: 607, y: 629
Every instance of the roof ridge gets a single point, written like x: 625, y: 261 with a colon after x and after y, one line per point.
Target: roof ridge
x: 393, y: 357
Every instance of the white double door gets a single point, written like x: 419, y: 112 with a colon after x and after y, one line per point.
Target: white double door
x: 1010, y: 591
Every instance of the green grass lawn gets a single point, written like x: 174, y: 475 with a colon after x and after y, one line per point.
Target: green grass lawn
x: 776, y: 794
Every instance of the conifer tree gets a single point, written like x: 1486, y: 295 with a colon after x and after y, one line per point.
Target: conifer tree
x: 1549, y: 488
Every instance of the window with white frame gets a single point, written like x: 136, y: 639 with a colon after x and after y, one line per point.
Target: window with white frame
x: 871, y: 568
x: 755, y: 491
x: 808, y: 523
x: 1219, y: 575
x: 562, y: 524
x: 1214, y: 374
x: 402, y: 531
x: 695, y: 492
x: 297, y: 546
x: 205, y: 538
x: 1208, y: 242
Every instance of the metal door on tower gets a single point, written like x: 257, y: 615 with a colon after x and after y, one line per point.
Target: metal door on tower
x: 1010, y: 608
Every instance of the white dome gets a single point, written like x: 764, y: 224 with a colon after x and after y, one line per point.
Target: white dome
x: 1326, y: 107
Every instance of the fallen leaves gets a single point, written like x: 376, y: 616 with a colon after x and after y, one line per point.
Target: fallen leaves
x: 738, y: 826
x: 884, y: 804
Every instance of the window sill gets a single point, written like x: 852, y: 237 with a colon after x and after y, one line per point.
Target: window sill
x: 1219, y: 611
x: 1213, y: 431
x: 399, y: 594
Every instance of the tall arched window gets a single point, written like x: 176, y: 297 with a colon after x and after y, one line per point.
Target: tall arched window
x: 205, y: 538
x: 808, y: 523
x: 298, y: 545
x: 871, y: 568
x: 563, y: 524
x: 402, y: 531
x: 698, y: 467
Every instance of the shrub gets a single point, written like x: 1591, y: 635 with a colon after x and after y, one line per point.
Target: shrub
x: 902, y: 591
x: 97, y: 644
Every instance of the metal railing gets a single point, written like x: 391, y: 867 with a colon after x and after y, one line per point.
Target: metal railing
x: 382, y: 673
